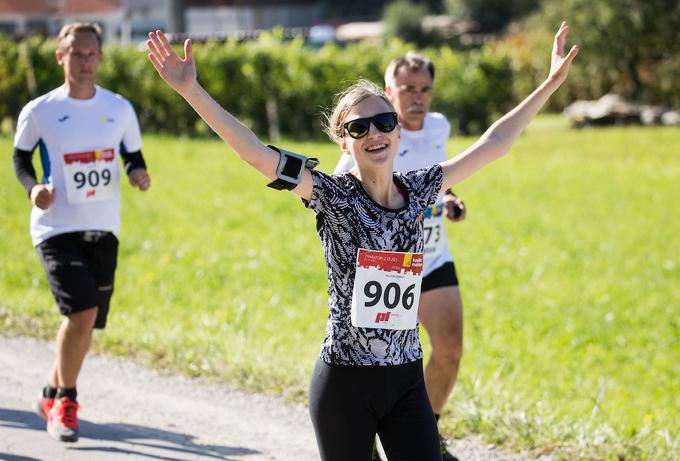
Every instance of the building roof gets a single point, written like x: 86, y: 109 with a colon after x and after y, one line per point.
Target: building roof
x: 242, y: 3
x: 60, y: 6
x: 92, y: 6
x: 22, y: 6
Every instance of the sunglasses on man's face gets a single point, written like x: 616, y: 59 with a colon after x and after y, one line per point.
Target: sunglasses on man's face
x: 358, y: 128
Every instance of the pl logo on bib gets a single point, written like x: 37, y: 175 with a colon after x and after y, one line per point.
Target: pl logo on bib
x: 89, y: 176
x: 386, y: 289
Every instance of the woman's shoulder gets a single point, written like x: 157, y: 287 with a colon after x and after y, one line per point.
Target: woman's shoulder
x: 337, y: 179
x: 423, y: 184
x: 335, y: 186
x: 416, y: 178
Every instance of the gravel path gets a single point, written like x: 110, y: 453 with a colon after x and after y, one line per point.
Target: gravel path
x: 130, y: 412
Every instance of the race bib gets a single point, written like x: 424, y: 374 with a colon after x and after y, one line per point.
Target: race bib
x: 386, y: 289
x: 89, y: 176
x: 433, y: 232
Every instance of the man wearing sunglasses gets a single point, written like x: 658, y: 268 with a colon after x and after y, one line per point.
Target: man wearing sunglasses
x: 409, y: 83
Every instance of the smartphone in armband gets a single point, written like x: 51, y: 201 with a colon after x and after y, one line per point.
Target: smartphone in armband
x: 290, y: 168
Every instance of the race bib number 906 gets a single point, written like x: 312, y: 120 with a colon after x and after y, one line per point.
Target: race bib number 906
x: 386, y: 289
x: 89, y: 176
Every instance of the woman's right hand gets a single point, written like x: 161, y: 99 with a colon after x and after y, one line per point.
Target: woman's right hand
x: 180, y: 74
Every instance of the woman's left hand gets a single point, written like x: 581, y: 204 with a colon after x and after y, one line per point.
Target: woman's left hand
x: 179, y: 73
x: 559, y: 63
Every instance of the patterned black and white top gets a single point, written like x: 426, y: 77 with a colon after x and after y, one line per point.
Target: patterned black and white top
x: 348, y: 219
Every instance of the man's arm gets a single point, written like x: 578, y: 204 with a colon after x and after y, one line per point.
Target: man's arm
x: 133, y: 161
x: 135, y: 167
x: 24, y: 170
x: 41, y: 195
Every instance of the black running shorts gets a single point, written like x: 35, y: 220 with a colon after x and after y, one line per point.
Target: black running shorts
x: 443, y: 276
x: 80, y: 268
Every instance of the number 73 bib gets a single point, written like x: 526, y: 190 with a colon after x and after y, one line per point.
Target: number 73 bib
x: 89, y: 176
x: 433, y: 228
x: 386, y: 289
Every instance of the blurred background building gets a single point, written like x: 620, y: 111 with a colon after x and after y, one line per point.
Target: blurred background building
x: 45, y: 17
x: 131, y: 20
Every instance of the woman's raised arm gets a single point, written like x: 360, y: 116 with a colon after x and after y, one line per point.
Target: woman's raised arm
x: 180, y: 75
x: 500, y: 136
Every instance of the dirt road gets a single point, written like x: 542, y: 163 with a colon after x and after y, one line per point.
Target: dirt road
x: 129, y: 412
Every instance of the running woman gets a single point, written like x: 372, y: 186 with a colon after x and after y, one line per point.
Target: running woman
x: 368, y: 379
x: 83, y: 131
x: 409, y: 84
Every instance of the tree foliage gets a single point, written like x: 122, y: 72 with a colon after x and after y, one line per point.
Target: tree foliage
x: 491, y: 15
x: 354, y: 9
x: 625, y: 41
x: 628, y: 47
x: 403, y: 19
x: 249, y: 78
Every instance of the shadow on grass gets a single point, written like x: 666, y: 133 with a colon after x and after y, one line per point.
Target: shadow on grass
x: 124, y: 439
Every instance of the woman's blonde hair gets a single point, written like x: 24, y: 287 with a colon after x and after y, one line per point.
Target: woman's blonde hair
x: 346, y: 100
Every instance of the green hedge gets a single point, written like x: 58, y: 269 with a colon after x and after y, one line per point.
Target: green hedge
x: 295, y: 81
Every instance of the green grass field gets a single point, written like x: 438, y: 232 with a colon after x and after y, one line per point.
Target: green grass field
x: 569, y: 263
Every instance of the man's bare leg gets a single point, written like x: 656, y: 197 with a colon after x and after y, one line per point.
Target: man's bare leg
x: 441, y: 313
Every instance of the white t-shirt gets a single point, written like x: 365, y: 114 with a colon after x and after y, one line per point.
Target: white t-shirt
x: 421, y: 149
x: 80, y: 142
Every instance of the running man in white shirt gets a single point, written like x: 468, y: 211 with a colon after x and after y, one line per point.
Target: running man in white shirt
x: 409, y: 82
x: 83, y: 131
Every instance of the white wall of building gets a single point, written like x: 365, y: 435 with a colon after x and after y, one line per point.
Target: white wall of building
x: 229, y: 19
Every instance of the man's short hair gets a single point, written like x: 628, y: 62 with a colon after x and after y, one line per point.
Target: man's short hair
x: 72, y: 28
x: 413, y: 61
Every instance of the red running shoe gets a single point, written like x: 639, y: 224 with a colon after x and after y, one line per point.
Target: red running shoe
x: 42, y: 407
x: 62, y: 421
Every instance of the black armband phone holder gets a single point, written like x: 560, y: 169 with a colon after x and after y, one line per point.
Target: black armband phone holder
x: 290, y: 168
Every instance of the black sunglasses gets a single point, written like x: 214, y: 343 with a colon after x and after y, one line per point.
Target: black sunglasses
x: 358, y: 128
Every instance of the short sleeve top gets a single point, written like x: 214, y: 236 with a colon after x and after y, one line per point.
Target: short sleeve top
x: 347, y: 220
x: 62, y: 126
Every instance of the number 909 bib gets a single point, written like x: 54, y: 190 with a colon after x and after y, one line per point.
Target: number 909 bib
x: 89, y: 176
x: 386, y: 289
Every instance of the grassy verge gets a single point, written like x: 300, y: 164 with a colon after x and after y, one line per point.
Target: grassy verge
x: 569, y: 264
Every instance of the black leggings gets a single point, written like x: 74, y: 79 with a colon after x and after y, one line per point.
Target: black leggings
x: 350, y: 404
